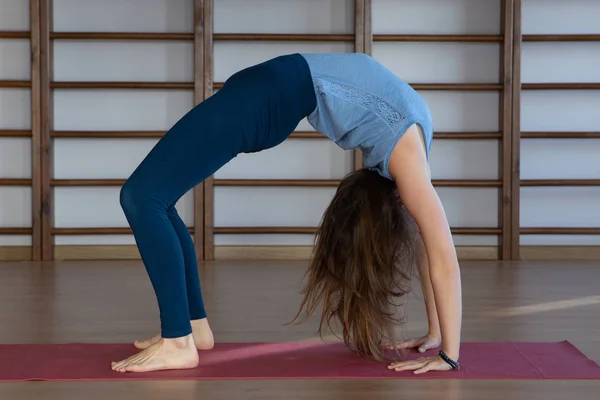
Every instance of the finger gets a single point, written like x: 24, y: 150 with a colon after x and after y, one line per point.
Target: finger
x: 419, y: 360
x: 424, y: 369
x: 402, y: 364
x: 408, y: 367
x: 406, y: 362
x: 409, y: 344
x: 425, y: 347
x: 389, y: 345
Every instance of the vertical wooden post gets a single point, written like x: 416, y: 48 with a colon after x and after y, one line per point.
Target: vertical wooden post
x: 47, y: 117
x: 209, y: 244
x: 360, y: 46
x: 359, y: 26
x: 198, y: 97
x: 36, y: 171
x: 368, y: 28
x: 516, y: 131
x: 506, y: 72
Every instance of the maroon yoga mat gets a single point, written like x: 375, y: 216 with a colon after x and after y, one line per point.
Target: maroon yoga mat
x: 294, y: 360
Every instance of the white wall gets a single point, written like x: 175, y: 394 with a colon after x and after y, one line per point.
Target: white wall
x: 15, y: 113
x: 560, y: 111
x: 415, y: 62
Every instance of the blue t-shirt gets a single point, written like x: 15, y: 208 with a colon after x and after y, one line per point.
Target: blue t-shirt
x: 362, y: 105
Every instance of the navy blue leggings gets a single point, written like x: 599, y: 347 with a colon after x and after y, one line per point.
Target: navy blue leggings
x: 257, y: 108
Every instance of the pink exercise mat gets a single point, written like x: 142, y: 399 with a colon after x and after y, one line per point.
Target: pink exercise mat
x: 559, y: 360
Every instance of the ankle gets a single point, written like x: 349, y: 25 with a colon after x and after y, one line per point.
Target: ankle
x: 200, y: 322
x: 200, y: 326
x: 179, y: 342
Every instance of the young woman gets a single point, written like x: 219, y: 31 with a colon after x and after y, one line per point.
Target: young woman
x: 367, y: 243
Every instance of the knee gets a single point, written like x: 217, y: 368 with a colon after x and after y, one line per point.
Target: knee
x: 138, y: 200
x: 131, y: 198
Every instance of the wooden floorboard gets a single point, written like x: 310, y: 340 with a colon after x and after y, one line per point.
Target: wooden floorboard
x: 112, y: 301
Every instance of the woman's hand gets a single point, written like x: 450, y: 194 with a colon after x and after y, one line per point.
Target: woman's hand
x: 421, y: 365
x: 423, y: 343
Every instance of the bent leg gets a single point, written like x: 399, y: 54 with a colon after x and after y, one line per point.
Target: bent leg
x: 189, y: 152
x: 192, y: 150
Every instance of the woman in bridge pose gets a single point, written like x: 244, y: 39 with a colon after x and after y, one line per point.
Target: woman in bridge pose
x: 384, y: 222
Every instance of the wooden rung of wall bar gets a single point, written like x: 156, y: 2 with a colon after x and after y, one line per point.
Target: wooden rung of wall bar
x: 313, y: 230
x: 151, y: 134
x: 435, y: 86
x: 559, y: 231
x: 560, y: 182
x: 437, y: 38
x: 294, y: 135
x: 15, y: 34
x: 560, y: 135
x: 123, y: 85
x: 14, y: 84
x: 258, y: 230
x: 107, y: 134
x: 96, y: 231
x: 177, y: 36
x: 14, y: 133
x: 561, y: 86
x: 277, y: 182
x: 86, y: 182
x: 15, y: 182
x: 15, y: 231
x: 158, y: 36
x: 283, y: 37
x: 562, y: 38
x: 467, y: 135
x: 458, y: 86
x: 470, y: 183
x: 335, y: 182
x: 307, y: 135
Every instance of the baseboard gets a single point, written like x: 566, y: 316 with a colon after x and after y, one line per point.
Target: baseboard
x: 130, y: 252
x: 15, y: 253
x: 263, y: 252
x: 96, y: 252
x: 304, y: 252
x: 560, y: 253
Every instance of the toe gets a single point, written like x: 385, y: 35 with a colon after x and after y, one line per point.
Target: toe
x: 136, y: 368
x: 117, y: 366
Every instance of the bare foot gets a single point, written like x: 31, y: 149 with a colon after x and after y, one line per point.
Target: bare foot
x: 201, y: 332
x: 165, y: 354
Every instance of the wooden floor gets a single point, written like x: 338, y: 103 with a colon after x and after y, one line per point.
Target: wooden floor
x: 250, y: 301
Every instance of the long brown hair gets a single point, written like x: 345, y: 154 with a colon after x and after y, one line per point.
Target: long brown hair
x: 365, y: 254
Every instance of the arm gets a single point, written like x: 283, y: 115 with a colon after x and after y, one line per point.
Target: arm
x: 408, y: 166
x: 429, y: 295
